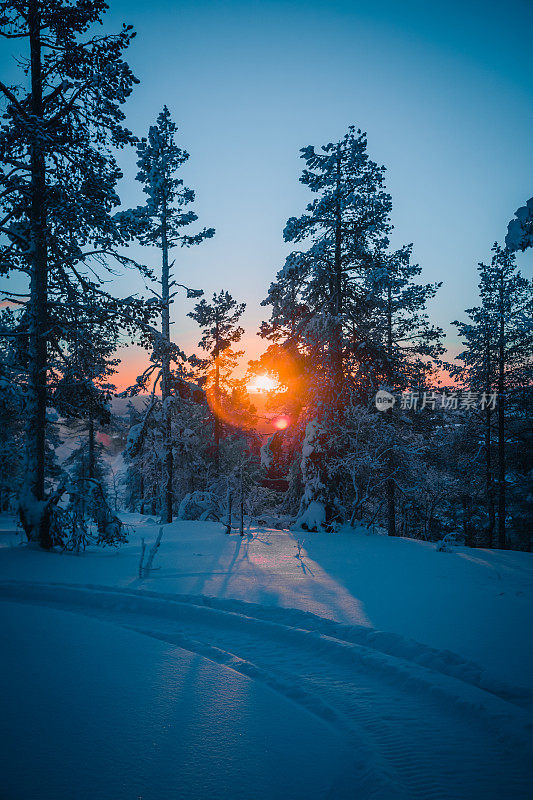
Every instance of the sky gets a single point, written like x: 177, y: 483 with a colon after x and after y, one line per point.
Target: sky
x: 443, y: 90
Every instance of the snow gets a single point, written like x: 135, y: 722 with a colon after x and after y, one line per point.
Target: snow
x: 350, y: 663
x: 197, y: 505
x: 313, y: 518
x: 267, y: 456
x: 520, y: 230
x: 133, y: 437
x: 150, y: 729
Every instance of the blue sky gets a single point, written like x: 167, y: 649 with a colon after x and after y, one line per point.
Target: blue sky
x: 443, y: 90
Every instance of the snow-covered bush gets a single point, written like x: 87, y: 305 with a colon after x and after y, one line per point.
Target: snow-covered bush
x: 312, y: 518
x: 312, y: 514
x: 198, y: 505
x: 448, y: 542
x: 520, y: 230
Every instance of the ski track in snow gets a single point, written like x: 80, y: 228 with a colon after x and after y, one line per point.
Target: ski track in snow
x: 420, y: 723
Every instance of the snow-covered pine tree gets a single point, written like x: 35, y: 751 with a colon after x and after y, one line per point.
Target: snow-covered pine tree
x: 498, y: 360
x: 87, y: 468
x: 315, y: 296
x: 219, y: 321
x: 391, y: 323
x: 394, y: 344
x: 346, y: 222
x: 163, y: 222
x: 477, y: 372
x: 58, y: 184
x: 82, y: 392
x: 82, y: 387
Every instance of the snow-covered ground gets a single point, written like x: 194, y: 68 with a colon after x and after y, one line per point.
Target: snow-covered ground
x: 364, y: 667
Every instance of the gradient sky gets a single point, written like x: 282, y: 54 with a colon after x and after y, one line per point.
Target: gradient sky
x: 442, y: 88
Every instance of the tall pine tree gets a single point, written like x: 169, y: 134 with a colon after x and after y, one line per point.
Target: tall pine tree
x: 163, y: 222
x: 58, y: 184
x: 393, y: 330
x: 343, y: 225
x: 498, y: 359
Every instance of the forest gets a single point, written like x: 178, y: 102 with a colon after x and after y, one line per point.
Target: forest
x: 266, y: 400
x: 364, y: 416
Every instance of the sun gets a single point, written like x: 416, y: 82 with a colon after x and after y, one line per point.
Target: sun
x: 262, y: 384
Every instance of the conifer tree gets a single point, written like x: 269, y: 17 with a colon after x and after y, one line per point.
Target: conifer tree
x: 58, y: 183
x: 498, y: 357
x: 220, y: 323
x: 393, y: 329
x: 317, y: 297
x: 344, y: 224
x: 163, y: 222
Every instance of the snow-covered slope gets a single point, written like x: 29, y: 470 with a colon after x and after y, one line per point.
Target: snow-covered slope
x: 110, y: 714
x: 362, y: 713
x: 476, y: 603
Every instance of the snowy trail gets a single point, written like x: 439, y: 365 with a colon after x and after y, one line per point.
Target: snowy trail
x: 419, y: 722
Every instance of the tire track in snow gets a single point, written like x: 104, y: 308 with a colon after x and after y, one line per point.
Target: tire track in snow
x: 415, y: 732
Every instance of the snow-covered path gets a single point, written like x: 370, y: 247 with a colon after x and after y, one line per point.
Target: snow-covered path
x: 92, y: 711
x: 414, y: 722
x: 474, y: 603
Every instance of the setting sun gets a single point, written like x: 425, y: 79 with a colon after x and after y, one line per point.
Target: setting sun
x: 262, y: 383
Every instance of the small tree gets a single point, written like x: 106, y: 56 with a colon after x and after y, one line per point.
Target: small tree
x: 219, y: 321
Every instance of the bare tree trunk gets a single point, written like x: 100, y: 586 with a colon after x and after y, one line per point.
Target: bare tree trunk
x: 141, y: 487
x: 488, y: 481
x: 337, y: 306
x: 34, y: 513
x: 489, y: 486
x: 166, y: 511
x: 466, y: 520
x: 390, y: 486
x: 217, y: 394
x: 391, y: 508
x: 229, y: 501
x: 501, y: 423
x: 92, y: 460
x: 501, y: 467
x: 217, y: 418
x: 241, y: 504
